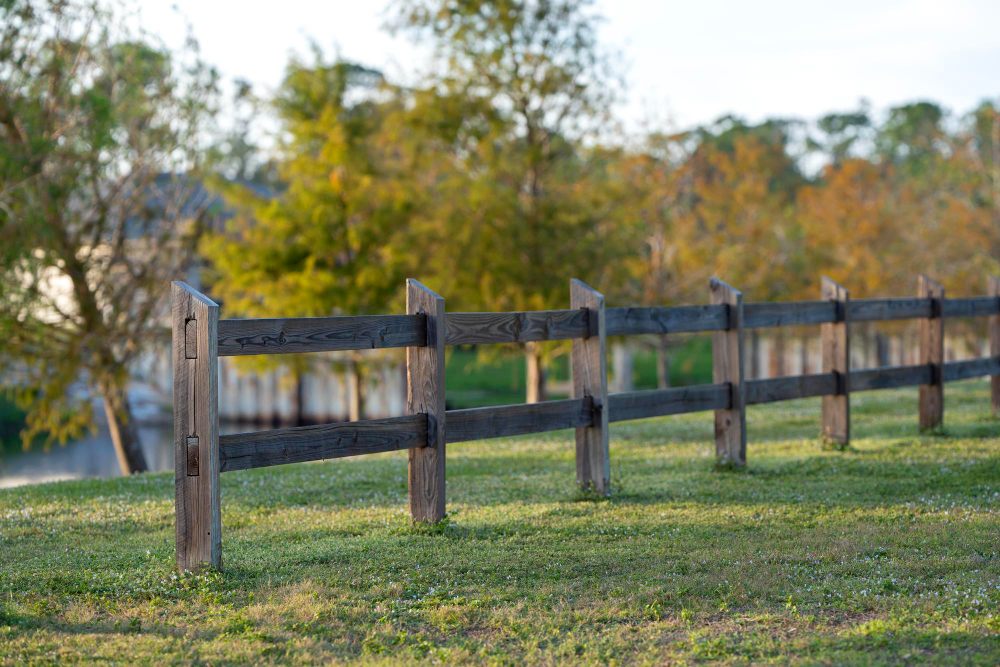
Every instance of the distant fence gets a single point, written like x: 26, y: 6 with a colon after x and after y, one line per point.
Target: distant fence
x: 200, y: 338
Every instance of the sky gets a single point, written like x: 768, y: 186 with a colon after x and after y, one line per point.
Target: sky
x: 686, y: 62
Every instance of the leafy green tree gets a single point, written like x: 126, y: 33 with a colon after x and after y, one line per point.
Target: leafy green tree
x: 334, y: 238
x: 516, y: 220
x: 97, y: 121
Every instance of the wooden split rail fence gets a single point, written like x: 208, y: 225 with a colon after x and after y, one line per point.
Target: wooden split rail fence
x: 200, y: 338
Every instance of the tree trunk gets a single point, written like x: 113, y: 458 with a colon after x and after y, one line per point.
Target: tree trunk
x: 882, y: 350
x: 778, y: 355
x: 124, y: 434
x: 621, y: 367
x: 355, y: 391
x: 754, y: 355
x: 662, y: 362
x: 535, y: 373
x: 804, y: 356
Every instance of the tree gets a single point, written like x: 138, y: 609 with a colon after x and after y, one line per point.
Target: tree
x: 532, y: 84
x: 335, y: 236
x: 97, y: 121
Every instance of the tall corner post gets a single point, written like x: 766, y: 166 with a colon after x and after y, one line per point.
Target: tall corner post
x: 590, y: 378
x: 727, y: 368
x: 994, y: 290
x: 425, y: 394
x: 195, y: 325
x: 932, y: 354
x: 836, y: 339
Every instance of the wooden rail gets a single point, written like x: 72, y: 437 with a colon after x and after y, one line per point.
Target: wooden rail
x: 200, y: 338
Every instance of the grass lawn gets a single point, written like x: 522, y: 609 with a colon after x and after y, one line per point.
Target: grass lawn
x: 887, y: 553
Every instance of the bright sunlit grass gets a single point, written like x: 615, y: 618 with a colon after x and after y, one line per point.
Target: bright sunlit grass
x: 884, y: 553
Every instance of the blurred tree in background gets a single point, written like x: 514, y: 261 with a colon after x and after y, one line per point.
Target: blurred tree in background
x: 101, y: 136
x: 531, y: 85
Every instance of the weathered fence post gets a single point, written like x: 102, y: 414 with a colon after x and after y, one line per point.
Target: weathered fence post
x: 727, y: 367
x: 425, y: 394
x: 590, y: 378
x: 995, y: 347
x: 837, y: 360
x: 196, y: 428
x: 932, y: 353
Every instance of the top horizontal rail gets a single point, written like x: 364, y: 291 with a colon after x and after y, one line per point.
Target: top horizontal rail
x: 318, y: 334
x: 663, y: 320
x: 515, y: 327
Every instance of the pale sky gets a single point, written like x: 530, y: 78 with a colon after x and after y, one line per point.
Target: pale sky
x: 688, y: 62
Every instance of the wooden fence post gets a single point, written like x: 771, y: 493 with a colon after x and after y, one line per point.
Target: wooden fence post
x: 837, y: 359
x: 590, y: 378
x: 727, y: 367
x: 932, y: 353
x: 994, y: 288
x: 425, y: 394
x: 196, y: 428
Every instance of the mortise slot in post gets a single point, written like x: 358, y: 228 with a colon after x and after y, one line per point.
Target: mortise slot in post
x: 192, y: 456
x: 191, y: 339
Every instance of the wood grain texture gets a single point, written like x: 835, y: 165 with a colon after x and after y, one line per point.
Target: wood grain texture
x: 889, y: 377
x: 425, y: 395
x: 196, y: 421
x: 319, y: 334
x: 242, y: 451
x: 673, y: 401
x: 509, y: 420
x: 867, y: 310
x: 770, y: 390
x: 836, y: 342
x: 787, y: 313
x: 994, y: 325
x: 727, y: 367
x: 977, y: 306
x: 514, y: 327
x: 932, y: 354
x: 952, y: 371
x: 590, y: 379
x: 664, y: 320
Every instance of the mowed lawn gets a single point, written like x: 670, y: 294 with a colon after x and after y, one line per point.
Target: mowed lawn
x: 886, y: 553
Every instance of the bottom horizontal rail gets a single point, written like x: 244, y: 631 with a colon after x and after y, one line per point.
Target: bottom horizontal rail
x: 786, y: 388
x: 890, y: 377
x: 970, y: 368
x: 259, y: 449
x: 675, y: 400
x: 508, y: 420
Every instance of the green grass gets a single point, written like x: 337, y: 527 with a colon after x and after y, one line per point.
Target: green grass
x: 885, y: 553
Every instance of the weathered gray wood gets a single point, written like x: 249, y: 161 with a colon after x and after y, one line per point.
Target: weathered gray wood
x: 425, y: 394
x: 889, y: 377
x: 969, y: 368
x: 515, y: 327
x: 242, y: 451
x: 837, y: 360
x: 867, y: 310
x: 994, y: 290
x: 675, y: 400
x: 769, y: 390
x: 932, y: 353
x: 196, y: 429
x: 508, y: 420
x: 977, y: 306
x: 663, y: 320
x: 319, y: 334
x: 727, y: 367
x: 590, y: 378
x: 787, y: 313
